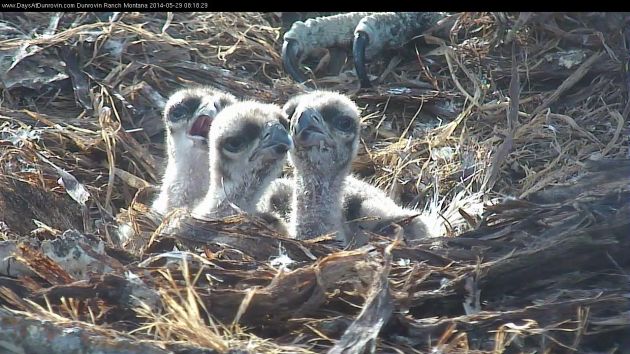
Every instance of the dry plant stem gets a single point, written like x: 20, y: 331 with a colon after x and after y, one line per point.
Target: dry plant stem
x: 570, y: 81
x: 110, y: 143
x: 512, y: 120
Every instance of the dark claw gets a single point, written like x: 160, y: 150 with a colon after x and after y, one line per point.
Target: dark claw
x: 289, y: 60
x: 361, y: 41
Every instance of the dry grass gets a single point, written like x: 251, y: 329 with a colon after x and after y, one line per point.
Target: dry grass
x: 184, y: 319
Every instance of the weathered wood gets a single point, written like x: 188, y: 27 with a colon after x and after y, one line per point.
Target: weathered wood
x: 19, y: 334
x: 376, y: 312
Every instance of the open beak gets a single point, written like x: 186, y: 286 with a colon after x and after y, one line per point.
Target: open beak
x: 200, y: 127
x: 275, y: 144
x: 309, y: 129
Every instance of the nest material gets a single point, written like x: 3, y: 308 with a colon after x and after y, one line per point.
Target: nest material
x: 526, y: 105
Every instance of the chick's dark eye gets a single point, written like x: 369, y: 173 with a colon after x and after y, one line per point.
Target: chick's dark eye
x: 234, y: 144
x: 184, y: 109
x: 178, y: 112
x: 344, y: 123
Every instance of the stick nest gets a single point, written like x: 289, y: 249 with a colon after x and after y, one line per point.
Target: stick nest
x: 512, y: 127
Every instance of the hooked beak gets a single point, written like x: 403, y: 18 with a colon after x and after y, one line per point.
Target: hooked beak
x: 361, y: 41
x: 275, y: 144
x: 309, y: 130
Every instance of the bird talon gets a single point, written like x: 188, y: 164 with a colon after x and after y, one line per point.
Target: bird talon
x: 361, y: 41
x: 290, y: 52
x: 373, y: 33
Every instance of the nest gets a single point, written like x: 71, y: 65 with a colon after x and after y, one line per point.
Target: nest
x: 512, y: 127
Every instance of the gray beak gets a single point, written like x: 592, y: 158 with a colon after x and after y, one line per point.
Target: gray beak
x: 309, y: 129
x: 275, y: 142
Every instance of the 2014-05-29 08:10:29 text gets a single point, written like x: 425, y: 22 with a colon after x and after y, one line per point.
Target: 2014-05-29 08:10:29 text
x: 105, y: 6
